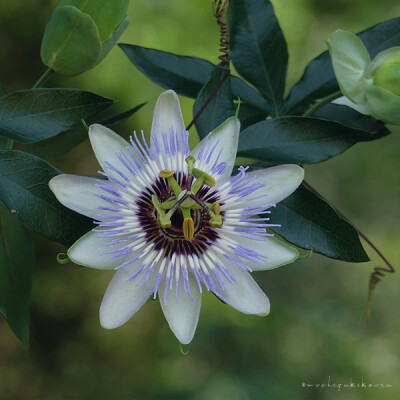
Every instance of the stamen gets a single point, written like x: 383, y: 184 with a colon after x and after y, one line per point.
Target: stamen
x: 188, y: 229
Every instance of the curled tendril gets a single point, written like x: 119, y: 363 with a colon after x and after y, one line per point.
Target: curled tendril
x: 62, y: 258
x: 220, y: 7
x: 376, y: 276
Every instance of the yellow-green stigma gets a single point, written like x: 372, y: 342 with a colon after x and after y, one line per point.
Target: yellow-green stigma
x: 186, y: 201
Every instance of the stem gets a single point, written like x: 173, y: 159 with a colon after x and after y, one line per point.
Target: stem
x: 378, y: 272
x: 321, y: 102
x: 220, y: 9
x: 44, y: 78
x: 207, y: 102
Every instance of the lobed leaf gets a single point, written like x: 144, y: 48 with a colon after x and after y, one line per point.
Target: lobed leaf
x: 24, y: 188
x: 37, y: 114
x: 258, y: 48
x: 185, y: 75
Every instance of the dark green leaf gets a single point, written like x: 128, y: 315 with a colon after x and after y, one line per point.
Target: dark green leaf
x: 17, y: 258
x: 310, y: 223
x: 220, y: 107
x: 246, y: 93
x: 299, y: 140
x: 5, y: 143
x: 24, y: 188
x: 258, y: 48
x: 319, y: 80
x: 185, y: 75
x: 249, y: 115
x: 63, y: 143
x: 116, y: 119
x: 37, y: 114
x: 349, y: 117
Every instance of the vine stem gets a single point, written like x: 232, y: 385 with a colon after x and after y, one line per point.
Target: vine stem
x: 207, y: 102
x: 321, y: 102
x: 44, y: 78
x: 378, y: 272
x: 220, y: 8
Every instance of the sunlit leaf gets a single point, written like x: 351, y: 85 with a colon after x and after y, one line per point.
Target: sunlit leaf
x: 24, y: 188
x: 258, y: 48
x: 299, y: 140
x: 310, y: 223
x: 17, y: 257
x: 37, y: 114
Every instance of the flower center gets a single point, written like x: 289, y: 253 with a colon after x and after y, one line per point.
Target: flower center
x: 186, y: 204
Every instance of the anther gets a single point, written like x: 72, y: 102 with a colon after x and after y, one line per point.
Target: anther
x: 217, y: 208
x: 165, y: 173
x: 188, y: 229
x: 208, y: 179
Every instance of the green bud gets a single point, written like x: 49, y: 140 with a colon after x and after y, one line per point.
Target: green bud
x: 350, y: 60
x: 373, y: 87
x: 81, y: 33
x: 385, y: 70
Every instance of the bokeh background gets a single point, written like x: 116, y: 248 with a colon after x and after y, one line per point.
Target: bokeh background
x: 317, y: 327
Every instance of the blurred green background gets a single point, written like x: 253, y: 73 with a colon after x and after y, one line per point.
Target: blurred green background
x: 317, y: 326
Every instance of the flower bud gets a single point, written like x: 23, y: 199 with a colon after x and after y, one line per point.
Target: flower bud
x: 80, y: 33
x: 385, y: 70
x: 373, y: 87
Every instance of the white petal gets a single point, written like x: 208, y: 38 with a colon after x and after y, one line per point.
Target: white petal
x: 167, y: 118
x: 279, y: 182
x: 78, y: 193
x: 107, y: 145
x: 182, y: 316
x: 344, y: 101
x: 123, y: 298
x: 89, y: 251
x: 276, y: 253
x: 225, y: 140
x: 244, y: 295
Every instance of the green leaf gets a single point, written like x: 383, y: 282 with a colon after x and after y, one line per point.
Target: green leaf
x: 351, y: 118
x: 319, y: 80
x: 220, y: 107
x: 63, y: 143
x: 71, y: 43
x: 37, y: 114
x: 258, y: 48
x: 299, y: 140
x: 5, y: 143
x: 17, y: 258
x: 310, y: 223
x: 24, y: 188
x: 249, y: 115
x: 185, y: 75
